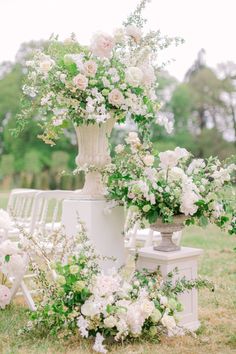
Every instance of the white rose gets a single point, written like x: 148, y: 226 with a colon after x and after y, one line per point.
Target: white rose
x: 149, y: 160
x: 45, y: 65
x: 119, y: 148
x: 90, y: 68
x: 80, y: 81
x: 168, y: 321
x: 102, y: 45
x: 134, y: 76
x: 116, y: 98
x: 134, y: 32
x: 110, y: 322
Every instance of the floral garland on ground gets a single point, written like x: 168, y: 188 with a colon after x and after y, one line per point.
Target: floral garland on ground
x: 115, y: 76
x: 171, y: 183
x: 12, y: 260
x: 80, y: 300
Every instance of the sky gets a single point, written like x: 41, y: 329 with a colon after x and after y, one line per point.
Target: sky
x: 208, y: 24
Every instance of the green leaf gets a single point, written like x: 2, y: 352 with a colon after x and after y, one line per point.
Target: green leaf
x: 7, y: 258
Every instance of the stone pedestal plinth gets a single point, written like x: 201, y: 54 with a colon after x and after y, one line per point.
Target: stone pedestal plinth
x: 104, y: 230
x: 186, y: 261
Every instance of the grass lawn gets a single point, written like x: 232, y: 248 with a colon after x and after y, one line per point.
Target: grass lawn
x: 217, y: 311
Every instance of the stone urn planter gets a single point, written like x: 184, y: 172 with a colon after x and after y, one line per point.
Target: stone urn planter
x: 93, y: 147
x: 167, y: 230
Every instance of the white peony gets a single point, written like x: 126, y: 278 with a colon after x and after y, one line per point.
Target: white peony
x: 5, y: 220
x: 5, y: 296
x: 90, y: 68
x: 90, y: 308
x: 46, y: 65
x: 116, y: 98
x: 102, y: 45
x: 134, y: 32
x: 134, y: 76
x: 149, y: 160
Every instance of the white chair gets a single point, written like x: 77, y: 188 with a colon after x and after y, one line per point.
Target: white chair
x: 46, y: 217
x: 19, y: 208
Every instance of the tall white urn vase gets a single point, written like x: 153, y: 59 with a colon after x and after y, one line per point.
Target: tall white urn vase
x: 94, y: 151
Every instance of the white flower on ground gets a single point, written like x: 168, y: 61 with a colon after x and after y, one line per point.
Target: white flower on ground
x: 90, y: 68
x: 134, y: 32
x: 8, y: 248
x: 82, y: 323
x: 90, y: 308
x: 168, y: 322
x: 5, y: 296
x: 116, y: 98
x: 110, y: 322
x: 102, y: 45
x: 80, y: 81
x: 98, y: 346
x: 5, y: 220
x: 105, y: 285
x: 134, y: 76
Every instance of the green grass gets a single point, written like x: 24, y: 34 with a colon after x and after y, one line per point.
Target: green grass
x: 217, y: 311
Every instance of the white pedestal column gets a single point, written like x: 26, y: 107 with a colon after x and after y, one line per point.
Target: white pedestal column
x: 105, y: 231
x: 186, y: 262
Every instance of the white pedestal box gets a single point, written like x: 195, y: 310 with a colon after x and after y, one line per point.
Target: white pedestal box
x: 104, y: 230
x: 186, y: 262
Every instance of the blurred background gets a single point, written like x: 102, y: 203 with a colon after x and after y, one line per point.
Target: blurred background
x: 197, y: 90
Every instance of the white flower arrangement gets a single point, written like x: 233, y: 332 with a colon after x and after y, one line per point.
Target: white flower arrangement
x: 114, y: 76
x: 171, y: 183
x: 12, y: 264
x: 83, y: 301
